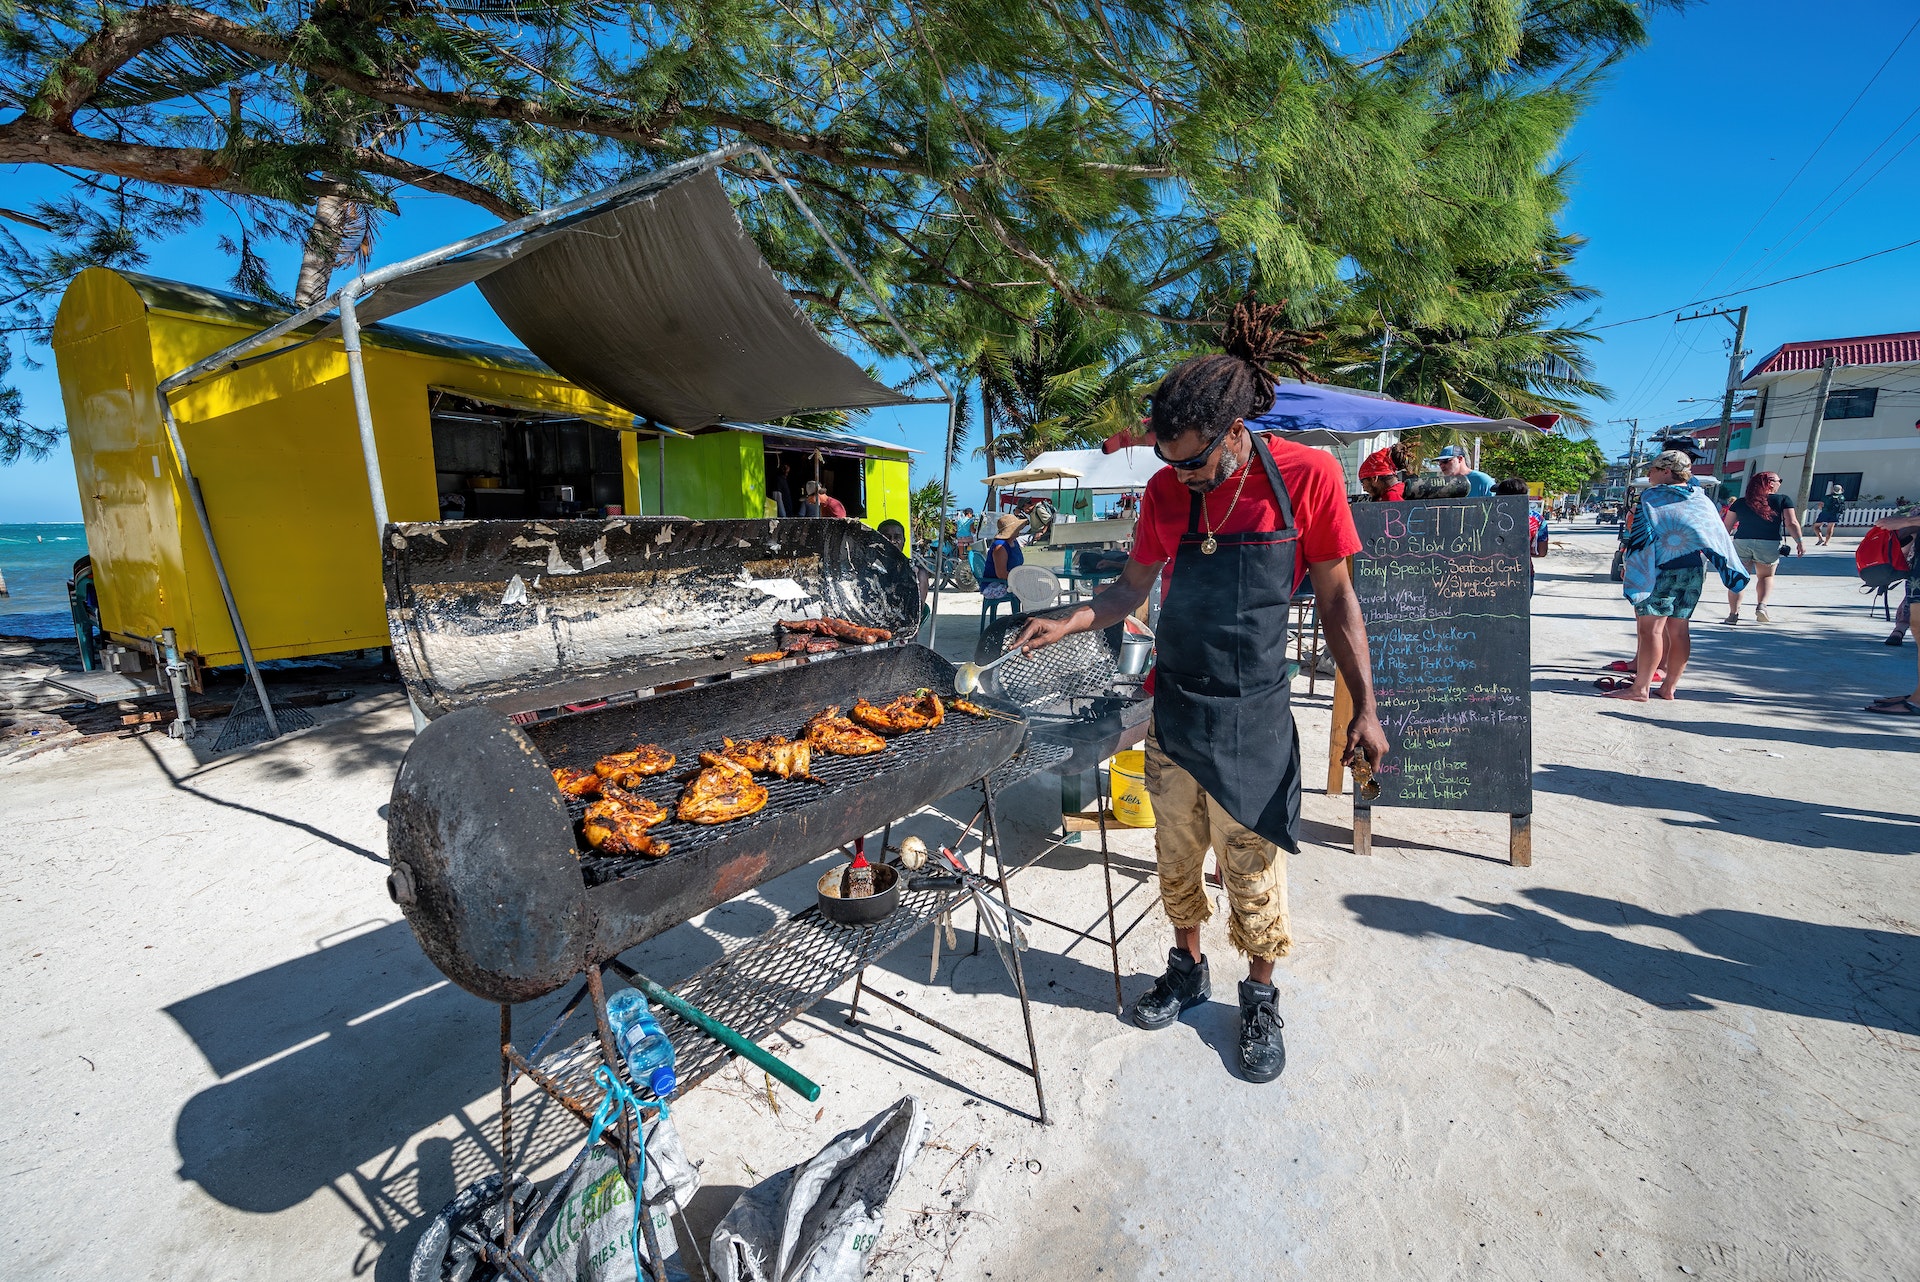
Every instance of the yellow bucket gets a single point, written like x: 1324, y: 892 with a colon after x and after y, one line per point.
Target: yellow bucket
x: 1127, y: 777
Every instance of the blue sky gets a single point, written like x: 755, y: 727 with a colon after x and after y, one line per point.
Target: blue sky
x: 1686, y: 145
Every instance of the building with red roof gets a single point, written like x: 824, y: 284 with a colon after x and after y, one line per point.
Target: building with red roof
x: 1869, y: 424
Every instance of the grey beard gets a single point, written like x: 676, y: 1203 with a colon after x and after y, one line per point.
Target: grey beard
x: 1229, y: 467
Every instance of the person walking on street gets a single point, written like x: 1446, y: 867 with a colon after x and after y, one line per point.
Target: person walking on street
x: 1676, y: 533
x: 1908, y: 704
x: 1453, y: 462
x: 1832, y: 506
x: 1231, y: 526
x: 1757, y: 521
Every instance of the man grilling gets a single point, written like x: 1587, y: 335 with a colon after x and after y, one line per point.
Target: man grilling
x: 1232, y: 525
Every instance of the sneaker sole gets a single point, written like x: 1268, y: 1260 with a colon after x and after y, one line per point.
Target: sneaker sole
x: 1205, y: 995
x: 1257, y: 1078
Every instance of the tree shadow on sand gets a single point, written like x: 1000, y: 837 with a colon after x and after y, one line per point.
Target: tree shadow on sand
x: 1847, y: 974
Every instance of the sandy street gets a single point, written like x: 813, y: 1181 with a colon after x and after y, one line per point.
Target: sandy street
x: 1686, y: 1042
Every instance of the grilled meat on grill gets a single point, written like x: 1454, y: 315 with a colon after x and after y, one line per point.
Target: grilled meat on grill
x: 820, y: 645
x: 794, y: 645
x: 830, y: 732
x: 628, y: 768
x: 767, y: 656
x: 724, y: 790
x: 618, y: 823
x: 774, y: 755
x: 972, y: 709
x: 576, y: 783
x: 838, y: 628
x: 920, y: 710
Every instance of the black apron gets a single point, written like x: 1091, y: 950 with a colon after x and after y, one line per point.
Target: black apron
x: 1222, y: 695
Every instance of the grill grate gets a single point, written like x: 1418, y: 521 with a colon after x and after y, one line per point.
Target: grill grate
x: 246, y: 724
x: 760, y: 987
x: 958, y: 733
x: 1078, y: 666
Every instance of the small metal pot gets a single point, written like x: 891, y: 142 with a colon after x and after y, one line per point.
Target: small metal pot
x: 1136, y: 654
x: 859, y: 912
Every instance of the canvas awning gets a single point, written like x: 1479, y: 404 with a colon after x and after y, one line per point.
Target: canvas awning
x: 1101, y: 473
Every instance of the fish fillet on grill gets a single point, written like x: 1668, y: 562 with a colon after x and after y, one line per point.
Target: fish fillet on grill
x: 830, y: 732
x: 724, y: 790
x: 774, y: 755
x: 628, y: 768
x: 920, y: 710
x: 576, y: 783
x: 618, y: 824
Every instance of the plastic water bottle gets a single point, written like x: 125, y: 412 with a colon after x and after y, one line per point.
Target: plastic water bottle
x: 637, y: 1035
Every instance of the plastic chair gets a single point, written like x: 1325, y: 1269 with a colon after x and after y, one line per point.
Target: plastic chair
x: 1035, y: 585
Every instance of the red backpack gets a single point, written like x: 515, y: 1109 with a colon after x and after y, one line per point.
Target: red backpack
x: 1880, y: 558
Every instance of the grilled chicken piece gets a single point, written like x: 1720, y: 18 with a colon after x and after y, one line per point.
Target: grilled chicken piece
x: 628, y: 768
x: 973, y: 709
x: 576, y: 783
x: 774, y: 755
x: 767, y: 656
x: 920, y: 710
x: 724, y: 790
x: 618, y: 823
x: 830, y: 732
x: 841, y: 628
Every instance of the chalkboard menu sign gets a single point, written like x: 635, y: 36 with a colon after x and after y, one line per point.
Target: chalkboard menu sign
x: 1444, y: 587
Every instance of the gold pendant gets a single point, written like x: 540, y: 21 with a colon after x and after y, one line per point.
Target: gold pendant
x: 1209, y: 545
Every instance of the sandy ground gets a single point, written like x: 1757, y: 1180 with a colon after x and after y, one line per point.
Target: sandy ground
x: 1686, y: 1041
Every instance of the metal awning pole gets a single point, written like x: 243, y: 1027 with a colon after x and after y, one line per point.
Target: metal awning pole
x: 940, y: 530
x: 363, y: 413
x: 219, y: 567
x: 662, y: 439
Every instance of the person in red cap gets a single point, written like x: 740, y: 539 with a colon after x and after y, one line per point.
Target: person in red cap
x: 1382, y: 475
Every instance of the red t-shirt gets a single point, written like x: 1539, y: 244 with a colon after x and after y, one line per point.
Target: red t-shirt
x: 1314, y: 483
x: 831, y: 506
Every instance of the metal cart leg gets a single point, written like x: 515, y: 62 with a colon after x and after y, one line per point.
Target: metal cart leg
x: 1019, y: 971
x: 859, y: 983
x: 1106, y: 867
x: 506, y: 1124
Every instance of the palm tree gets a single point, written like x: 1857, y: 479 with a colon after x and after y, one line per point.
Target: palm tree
x: 1067, y: 380
x: 1494, y: 350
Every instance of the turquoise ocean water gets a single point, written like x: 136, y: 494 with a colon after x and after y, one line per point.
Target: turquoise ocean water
x: 36, y: 561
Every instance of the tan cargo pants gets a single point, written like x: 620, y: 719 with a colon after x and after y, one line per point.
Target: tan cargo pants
x: 1186, y: 822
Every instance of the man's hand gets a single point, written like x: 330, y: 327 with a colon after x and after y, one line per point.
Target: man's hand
x: 1039, y: 633
x: 1366, y: 739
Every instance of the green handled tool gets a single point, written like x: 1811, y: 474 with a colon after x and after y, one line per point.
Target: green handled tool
x: 788, y: 1076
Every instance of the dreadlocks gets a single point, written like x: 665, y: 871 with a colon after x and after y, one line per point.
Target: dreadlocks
x: 1207, y: 393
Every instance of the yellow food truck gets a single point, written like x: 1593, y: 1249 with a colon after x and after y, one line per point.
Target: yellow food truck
x: 464, y: 429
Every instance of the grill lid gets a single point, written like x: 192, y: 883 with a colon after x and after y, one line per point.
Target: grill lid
x: 525, y: 616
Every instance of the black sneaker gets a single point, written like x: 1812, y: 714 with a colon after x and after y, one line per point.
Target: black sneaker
x: 1263, y: 1053
x: 1184, y: 986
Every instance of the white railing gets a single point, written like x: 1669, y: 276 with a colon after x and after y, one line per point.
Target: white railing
x: 1863, y: 516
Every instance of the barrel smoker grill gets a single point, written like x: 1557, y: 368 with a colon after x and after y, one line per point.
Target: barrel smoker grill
x: 532, y: 645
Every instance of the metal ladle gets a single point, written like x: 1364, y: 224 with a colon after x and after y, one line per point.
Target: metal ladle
x: 966, y: 677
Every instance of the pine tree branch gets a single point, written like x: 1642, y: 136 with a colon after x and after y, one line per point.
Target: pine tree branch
x: 379, y: 162
x: 30, y: 141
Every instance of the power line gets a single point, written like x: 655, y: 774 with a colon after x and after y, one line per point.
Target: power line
x: 1754, y: 289
x: 1778, y: 254
x: 1818, y: 148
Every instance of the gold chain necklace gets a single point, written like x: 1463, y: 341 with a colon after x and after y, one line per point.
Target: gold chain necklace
x: 1210, y: 545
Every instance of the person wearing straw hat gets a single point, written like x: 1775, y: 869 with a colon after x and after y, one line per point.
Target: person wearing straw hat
x: 1231, y: 526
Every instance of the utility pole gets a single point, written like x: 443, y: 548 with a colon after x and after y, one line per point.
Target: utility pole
x: 1633, y: 447
x: 1813, y: 433
x: 1380, y: 383
x: 1738, y: 354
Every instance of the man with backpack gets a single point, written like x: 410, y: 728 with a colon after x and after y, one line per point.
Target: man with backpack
x: 1900, y: 705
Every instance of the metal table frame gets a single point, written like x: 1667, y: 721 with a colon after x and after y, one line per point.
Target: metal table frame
x: 757, y: 989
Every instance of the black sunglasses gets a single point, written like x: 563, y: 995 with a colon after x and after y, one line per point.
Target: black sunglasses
x: 1198, y: 461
